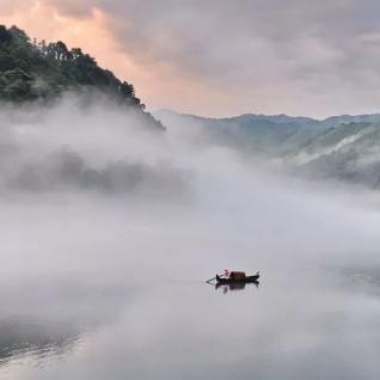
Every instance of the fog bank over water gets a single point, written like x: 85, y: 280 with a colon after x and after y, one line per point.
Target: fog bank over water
x: 109, y: 228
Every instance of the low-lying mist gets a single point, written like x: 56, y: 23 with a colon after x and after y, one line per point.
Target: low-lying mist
x: 78, y: 173
x: 95, y: 206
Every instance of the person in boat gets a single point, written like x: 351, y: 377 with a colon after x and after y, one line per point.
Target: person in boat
x: 224, y: 276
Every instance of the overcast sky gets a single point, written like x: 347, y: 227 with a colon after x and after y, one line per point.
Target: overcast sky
x: 223, y: 57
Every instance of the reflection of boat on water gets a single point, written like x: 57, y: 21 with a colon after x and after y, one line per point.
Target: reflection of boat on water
x: 233, y: 286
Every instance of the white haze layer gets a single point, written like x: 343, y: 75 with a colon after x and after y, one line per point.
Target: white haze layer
x: 96, y: 206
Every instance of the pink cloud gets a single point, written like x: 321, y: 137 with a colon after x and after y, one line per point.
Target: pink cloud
x: 222, y: 57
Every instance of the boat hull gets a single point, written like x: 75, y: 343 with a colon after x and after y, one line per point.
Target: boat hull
x: 246, y: 280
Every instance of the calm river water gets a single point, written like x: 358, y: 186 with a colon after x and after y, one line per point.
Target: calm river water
x: 105, y: 290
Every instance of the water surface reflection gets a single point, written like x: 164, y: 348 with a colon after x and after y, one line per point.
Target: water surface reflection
x: 287, y: 330
x: 235, y: 286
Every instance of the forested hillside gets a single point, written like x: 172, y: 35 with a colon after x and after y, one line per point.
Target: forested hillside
x: 32, y: 71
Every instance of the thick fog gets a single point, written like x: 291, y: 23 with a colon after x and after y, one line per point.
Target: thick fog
x: 96, y: 207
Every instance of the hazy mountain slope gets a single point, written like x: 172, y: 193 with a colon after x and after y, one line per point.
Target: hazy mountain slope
x: 342, y: 147
x: 349, y: 152
x: 265, y: 135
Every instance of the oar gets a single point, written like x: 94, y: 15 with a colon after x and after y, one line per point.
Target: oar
x: 211, y: 279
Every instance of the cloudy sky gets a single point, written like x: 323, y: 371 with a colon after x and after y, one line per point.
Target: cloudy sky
x: 223, y: 57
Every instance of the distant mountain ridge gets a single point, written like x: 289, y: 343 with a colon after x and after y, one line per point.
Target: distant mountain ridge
x: 343, y: 147
x: 280, y: 118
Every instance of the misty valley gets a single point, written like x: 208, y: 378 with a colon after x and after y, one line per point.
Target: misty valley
x: 113, y: 219
x: 110, y: 229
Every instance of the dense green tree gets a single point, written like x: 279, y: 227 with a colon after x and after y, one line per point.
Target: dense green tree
x: 5, y: 36
x: 19, y: 36
x: 17, y: 85
x: 7, y: 62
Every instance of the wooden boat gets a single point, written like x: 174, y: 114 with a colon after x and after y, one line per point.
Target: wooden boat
x: 237, y: 277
